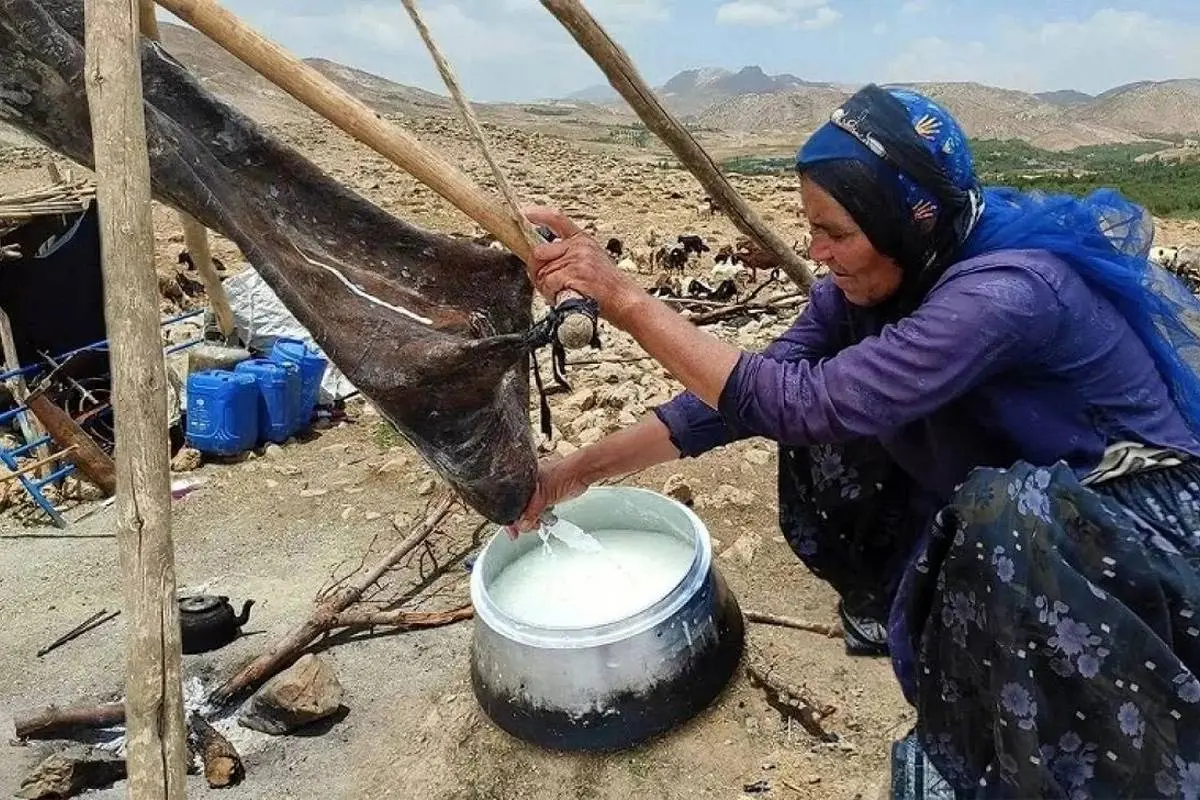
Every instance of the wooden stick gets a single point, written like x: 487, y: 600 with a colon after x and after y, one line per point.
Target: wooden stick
x: 624, y: 77
x: 157, y: 739
x: 790, y: 701
x: 763, y: 618
x: 85, y: 454
x: 195, y: 235
x: 577, y: 330
x: 54, y: 722
x: 287, y: 649
x: 335, y: 104
x: 404, y: 620
x: 41, y: 463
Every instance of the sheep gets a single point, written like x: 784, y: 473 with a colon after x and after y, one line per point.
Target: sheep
x: 1164, y: 256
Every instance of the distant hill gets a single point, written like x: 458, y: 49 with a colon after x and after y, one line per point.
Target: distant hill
x: 1064, y: 98
x: 1161, y: 108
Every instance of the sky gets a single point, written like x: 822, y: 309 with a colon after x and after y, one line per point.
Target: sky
x: 515, y: 50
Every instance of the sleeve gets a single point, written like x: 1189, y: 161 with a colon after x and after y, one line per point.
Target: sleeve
x: 695, y: 428
x: 973, y: 326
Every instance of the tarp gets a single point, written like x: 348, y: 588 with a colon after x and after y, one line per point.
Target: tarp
x: 260, y: 318
x: 432, y: 329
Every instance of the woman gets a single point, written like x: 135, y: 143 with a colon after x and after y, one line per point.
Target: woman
x: 987, y: 439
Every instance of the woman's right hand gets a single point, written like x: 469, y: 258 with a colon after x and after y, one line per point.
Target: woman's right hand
x: 559, y: 479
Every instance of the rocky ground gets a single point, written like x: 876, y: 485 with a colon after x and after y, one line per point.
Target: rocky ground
x: 277, y: 525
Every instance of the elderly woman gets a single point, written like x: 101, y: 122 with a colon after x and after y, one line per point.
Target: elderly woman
x: 986, y: 439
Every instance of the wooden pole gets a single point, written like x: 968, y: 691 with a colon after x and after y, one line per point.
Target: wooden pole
x: 357, y: 119
x: 84, y: 453
x: 624, y: 77
x: 353, y: 116
x: 195, y: 235
x: 156, y: 739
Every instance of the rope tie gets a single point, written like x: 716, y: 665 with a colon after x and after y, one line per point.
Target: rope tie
x: 545, y: 332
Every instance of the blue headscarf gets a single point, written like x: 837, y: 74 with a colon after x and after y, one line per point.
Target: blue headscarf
x: 901, y: 166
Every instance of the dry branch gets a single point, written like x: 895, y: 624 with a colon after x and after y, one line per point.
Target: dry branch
x: 324, y: 617
x: 53, y: 722
x: 81, y: 449
x: 792, y: 702
x: 822, y: 629
x: 624, y: 78
x: 734, y: 309
x: 404, y: 620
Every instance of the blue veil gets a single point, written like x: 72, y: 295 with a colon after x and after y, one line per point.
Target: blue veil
x: 910, y: 142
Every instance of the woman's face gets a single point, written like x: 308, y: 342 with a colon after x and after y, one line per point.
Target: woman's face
x: 865, y: 276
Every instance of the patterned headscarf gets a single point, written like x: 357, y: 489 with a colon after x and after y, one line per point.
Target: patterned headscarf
x: 900, y: 165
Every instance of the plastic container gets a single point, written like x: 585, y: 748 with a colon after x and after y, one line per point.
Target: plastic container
x: 312, y: 370
x: 278, y: 397
x: 222, y: 412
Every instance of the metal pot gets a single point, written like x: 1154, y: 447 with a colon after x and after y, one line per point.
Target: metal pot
x: 610, y: 686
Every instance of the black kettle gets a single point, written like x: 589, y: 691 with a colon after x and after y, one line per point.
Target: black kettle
x: 208, y: 622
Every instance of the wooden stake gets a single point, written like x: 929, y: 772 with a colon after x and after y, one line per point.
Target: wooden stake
x: 624, y: 77
x: 195, y: 235
x: 157, y: 746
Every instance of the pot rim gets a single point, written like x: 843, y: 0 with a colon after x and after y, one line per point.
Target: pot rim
x: 582, y: 636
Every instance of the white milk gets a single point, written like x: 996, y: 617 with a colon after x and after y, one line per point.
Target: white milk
x: 558, y: 585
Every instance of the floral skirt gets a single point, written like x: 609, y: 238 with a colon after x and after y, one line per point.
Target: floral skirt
x: 1047, y: 633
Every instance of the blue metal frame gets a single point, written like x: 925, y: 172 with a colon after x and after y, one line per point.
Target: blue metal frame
x: 32, y: 486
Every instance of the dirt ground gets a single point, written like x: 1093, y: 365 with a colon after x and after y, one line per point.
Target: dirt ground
x: 276, y: 527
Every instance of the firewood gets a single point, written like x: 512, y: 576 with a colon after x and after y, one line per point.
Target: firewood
x: 53, y: 722
x: 222, y: 764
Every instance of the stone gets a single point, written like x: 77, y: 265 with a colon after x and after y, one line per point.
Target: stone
x: 744, y: 548
x: 306, y: 692
x: 583, y: 399
x: 392, y: 465
x: 272, y: 450
x: 187, y: 459
x: 426, y: 487
x: 757, y: 457
x: 678, y: 488
x: 564, y: 448
x: 371, y: 516
x: 591, y: 435
x: 71, y: 772
x: 313, y: 492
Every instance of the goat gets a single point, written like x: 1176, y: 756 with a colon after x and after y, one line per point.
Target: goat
x: 1164, y: 256
x: 671, y: 258
x: 615, y: 248
x: 755, y: 257
x: 185, y: 258
x: 692, y: 244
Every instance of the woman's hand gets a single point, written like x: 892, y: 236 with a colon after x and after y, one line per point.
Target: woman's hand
x: 577, y: 261
x: 558, y: 479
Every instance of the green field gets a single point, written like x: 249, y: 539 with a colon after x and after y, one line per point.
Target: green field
x: 1165, y: 189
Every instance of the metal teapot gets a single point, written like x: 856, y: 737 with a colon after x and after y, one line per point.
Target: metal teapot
x: 208, y: 622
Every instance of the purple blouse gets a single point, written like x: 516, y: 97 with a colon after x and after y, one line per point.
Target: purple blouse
x: 1011, y: 356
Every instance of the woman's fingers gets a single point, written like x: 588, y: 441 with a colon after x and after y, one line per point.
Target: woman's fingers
x: 553, y: 219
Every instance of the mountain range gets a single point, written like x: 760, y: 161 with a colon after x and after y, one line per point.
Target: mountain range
x: 750, y: 100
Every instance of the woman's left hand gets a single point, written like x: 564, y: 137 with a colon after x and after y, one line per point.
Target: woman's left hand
x: 577, y: 261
